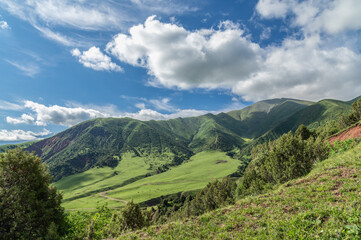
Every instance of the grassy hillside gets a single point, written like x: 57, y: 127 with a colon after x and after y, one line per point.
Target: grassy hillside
x: 82, y: 190
x: 313, y: 116
x: 101, y: 142
x: 129, y: 181
x: 264, y: 115
x: 323, y: 205
x: 194, y: 174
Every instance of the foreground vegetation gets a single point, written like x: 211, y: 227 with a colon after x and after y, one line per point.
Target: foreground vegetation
x: 323, y: 205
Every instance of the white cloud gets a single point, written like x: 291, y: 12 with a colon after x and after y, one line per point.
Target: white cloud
x: 25, y: 118
x: 149, y: 114
x: 162, y: 104
x: 61, y: 115
x: 140, y: 105
x: 176, y: 57
x: 4, y: 25
x: 5, y: 105
x: 90, y: 15
x: 273, y: 8
x: 28, y: 69
x: 21, y: 135
x: 58, y: 37
x: 266, y: 33
x: 68, y: 116
x: 327, y: 16
x: 95, y: 59
x: 342, y: 16
x: 307, y: 68
x: 303, y: 69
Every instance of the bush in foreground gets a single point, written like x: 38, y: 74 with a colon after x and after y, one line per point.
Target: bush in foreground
x: 29, y: 206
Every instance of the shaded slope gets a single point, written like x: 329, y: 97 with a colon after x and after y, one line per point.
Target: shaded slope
x: 312, y: 116
x: 260, y: 117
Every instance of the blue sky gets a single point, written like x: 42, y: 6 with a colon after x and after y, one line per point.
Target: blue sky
x: 63, y: 61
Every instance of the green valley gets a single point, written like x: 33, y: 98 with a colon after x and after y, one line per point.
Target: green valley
x: 121, y: 182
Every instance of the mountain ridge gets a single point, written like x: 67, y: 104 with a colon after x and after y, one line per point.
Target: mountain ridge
x: 102, y: 141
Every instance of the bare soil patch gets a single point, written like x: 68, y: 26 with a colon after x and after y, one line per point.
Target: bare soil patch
x: 353, y: 132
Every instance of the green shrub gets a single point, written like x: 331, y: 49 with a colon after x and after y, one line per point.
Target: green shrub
x: 343, y: 146
x: 288, y: 157
x: 29, y: 206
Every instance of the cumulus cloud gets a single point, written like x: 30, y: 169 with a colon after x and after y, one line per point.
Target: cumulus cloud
x: 273, y: 8
x: 21, y: 135
x: 149, y: 114
x: 59, y: 115
x: 25, y: 118
x: 4, y: 25
x: 185, y: 59
x: 43, y: 115
x: 95, y: 59
x: 303, y: 69
x: 306, y: 68
x: 331, y: 17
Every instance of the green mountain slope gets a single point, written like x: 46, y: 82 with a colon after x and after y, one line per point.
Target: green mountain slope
x: 312, y: 116
x: 322, y: 205
x: 101, y: 142
x: 262, y: 116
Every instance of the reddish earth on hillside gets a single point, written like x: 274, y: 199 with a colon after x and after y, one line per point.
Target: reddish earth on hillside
x: 353, y: 132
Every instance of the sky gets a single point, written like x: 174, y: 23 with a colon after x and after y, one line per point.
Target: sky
x: 66, y: 61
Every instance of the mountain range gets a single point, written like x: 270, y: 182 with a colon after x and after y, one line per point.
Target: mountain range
x: 101, y: 142
x: 114, y: 160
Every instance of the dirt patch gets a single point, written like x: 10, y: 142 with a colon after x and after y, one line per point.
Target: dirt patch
x: 354, y: 132
x: 221, y: 161
x: 154, y: 215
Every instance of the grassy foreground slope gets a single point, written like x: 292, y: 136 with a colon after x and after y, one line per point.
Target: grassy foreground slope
x: 128, y: 181
x: 325, y: 204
